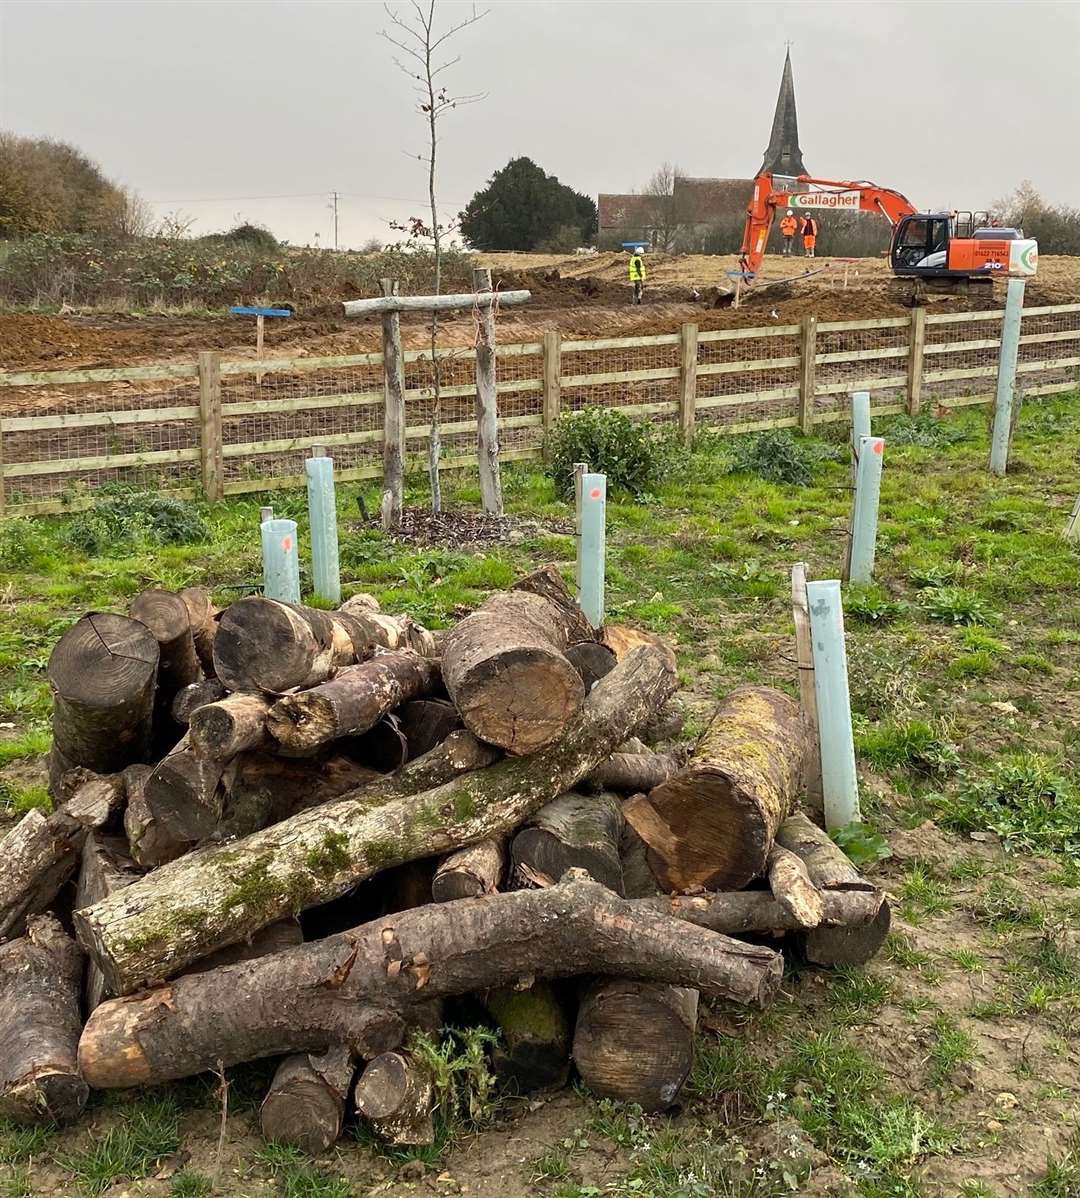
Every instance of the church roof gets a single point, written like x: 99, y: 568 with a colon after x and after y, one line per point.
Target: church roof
x: 783, y: 157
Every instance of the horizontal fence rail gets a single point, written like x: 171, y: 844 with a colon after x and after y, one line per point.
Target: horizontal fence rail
x: 229, y: 427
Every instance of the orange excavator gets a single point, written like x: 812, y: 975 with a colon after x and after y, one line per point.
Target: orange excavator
x: 948, y: 247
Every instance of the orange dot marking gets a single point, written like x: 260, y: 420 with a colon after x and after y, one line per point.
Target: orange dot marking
x: 286, y: 544
x: 594, y: 493
x: 878, y: 447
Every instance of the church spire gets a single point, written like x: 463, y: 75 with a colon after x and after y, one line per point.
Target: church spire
x: 783, y: 157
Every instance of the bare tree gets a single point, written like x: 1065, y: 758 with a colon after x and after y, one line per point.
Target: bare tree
x: 416, y: 37
x: 667, y: 212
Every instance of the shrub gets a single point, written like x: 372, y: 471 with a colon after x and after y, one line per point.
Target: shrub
x: 612, y: 444
x: 956, y: 605
x: 124, y: 516
x: 870, y: 603
x: 937, y: 574
x: 776, y: 457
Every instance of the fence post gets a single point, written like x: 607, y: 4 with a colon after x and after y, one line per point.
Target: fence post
x: 393, y: 414
x: 804, y: 653
x: 322, y: 513
x: 839, y: 781
x: 592, y: 547
x: 281, y: 560
x: 210, y: 436
x: 864, y: 510
x: 807, y: 372
x: 487, y: 403
x: 1, y: 465
x: 1001, y: 437
x: 688, y: 347
x: 552, y: 384
x: 916, y: 350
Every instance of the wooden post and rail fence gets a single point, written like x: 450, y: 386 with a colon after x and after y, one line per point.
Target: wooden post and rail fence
x: 786, y: 376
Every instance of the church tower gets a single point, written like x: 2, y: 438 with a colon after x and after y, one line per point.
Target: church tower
x: 783, y: 157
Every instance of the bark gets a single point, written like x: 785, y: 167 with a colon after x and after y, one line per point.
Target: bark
x: 426, y: 723
x: 850, y: 944
x: 105, y: 868
x: 166, y: 615
x: 102, y: 674
x: 638, y: 878
x: 746, y: 912
x: 633, y: 773
x: 151, y: 842
x: 396, y: 1094
x: 549, y: 584
x: 667, y: 724
x: 591, y: 660
x: 378, y: 630
x: 275, y: 939
x: 39, y: 1026
x: 471, y: 872
x: 534, y: 1048
x: 234, y: 724
x: 357, y: 988
x: 184, y: 793
x: 209, y: 690
x: 223, y: 894
x: 305, y: 1104
x: 507, y: 674
x: 712, y: 825
x: 828, y: 866
x: 634, y: 1041
x: 39, y: 855
x: 93, y: 800
x: 352, y: 702
x: 574, y: 832
x: 791, y: 887
x: 621, y: 639
x: 202, y: 615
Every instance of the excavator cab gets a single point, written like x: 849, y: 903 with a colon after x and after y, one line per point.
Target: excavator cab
x: 921, y: 244
x: 956, y: 246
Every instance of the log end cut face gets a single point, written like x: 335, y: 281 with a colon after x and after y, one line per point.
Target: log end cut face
x: 102, y: 660
x: 261, y: 646
x: 521, y: 701
x: 49, y: 1096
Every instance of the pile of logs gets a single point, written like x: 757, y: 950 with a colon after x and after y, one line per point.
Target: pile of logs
x: 295, y: 833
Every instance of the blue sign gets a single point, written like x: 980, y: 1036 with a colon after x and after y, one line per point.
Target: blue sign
x: 260, y: 312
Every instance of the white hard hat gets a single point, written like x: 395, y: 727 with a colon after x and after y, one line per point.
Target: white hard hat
x: 791, y: 212
x: 641, y: 249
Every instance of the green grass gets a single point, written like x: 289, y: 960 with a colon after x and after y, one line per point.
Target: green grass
x: 1062, y: 1177
x: 190, y: 1183
x: 127, y: 1151
x: 297, y: 1177
x: 950, y: 1048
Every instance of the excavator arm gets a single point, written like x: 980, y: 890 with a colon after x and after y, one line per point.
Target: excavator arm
x: 832, y: 195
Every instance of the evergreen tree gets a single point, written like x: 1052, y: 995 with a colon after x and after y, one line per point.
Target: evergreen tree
x: 524, y: 208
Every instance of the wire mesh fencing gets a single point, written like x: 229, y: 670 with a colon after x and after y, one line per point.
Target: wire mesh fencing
x: 748, y: 378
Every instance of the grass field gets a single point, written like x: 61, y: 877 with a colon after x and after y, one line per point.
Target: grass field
x: 949, y: 1065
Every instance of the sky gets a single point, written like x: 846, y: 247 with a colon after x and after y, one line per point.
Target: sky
x: 225, y: 110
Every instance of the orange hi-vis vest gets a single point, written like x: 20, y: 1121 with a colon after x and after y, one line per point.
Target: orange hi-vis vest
x: 788, y: 226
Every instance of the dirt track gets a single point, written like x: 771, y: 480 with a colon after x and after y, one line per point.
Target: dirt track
x: 579, y: 296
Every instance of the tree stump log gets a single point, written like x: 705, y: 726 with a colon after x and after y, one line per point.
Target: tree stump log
x: 375, y: 629
x: 184, y: 793
x: 633, y: 773
x: 106, y: 868
x: 202, y: 615
x: 94, y: 800
x: 574, y: 832
x: 591, y: 660
x: 634, y: 1041
x: 352, y: 702
x: 234, y: 724
x: 278, y: 937
x: 426, y: 723
x: 534, y: 1048
x: 102, y: 674
x: 396, y: 1094
x: 469, y: 873
x: 209, y: 690
x: 507, y: 674
x: 40, y: 1023
x: 223, y: 894
x: 39, y: 855
x: 150, y: 842
x: 792, y: 888
x: 166, y: 615
x: 754, y: 912
x: 712, y: 825
x: 305, y: 1104
x: 357, y: 988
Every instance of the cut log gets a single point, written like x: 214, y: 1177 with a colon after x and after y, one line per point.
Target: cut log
x: 305, y: 1104
x: 574, y: 832
x: 750, y: 912
x: 150, y: 842
x: 40, y: 974
x: 221, y: 895
x: 278, y: 937
x: 166, y: 615
x: 354, y: 701
x: 471, y: 872
x: 265, y: 645
x: 506, y: 671
x: 202, y: 615
x: 591, y: 660
x: 533, y: 1052
x: 622, y: 640
x: 832, y: 872
x: 634, y: 1041
x: 633, y: 773
x: 425, y: 723
x: 667, y: 724
x: 548, y: 584
x: 106, y: 868
x: 396, y: 1094
x: 93, y: 800
x: 356, y: 988
x: 209, y: 690
x: 39, y: 855
x: 638, y: 879
x: 102, y: 675
x: 791, y: 887
x: 235, y: 724
x: 713, y: 823
x: 184, y: 792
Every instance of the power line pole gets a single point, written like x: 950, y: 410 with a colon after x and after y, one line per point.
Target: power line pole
x: 334, y: 194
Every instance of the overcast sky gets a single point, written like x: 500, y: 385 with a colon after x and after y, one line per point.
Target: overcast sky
x: 225, y: 110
